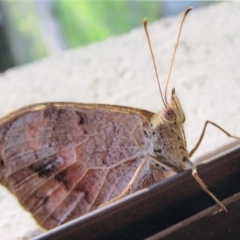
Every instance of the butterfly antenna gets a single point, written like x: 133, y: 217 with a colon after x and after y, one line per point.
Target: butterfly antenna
x: 153, y: 59
x: 175, y: 50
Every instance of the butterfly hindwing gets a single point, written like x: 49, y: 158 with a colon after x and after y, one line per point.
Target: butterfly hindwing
x: 64, y: 160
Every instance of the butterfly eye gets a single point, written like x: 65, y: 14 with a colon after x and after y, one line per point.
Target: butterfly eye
x: 169, y: 114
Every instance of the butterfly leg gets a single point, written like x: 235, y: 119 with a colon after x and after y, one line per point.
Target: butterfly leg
x: 203, y: 132
x: 204, y: 186
x: 125, y: 192
x: 194, y: 169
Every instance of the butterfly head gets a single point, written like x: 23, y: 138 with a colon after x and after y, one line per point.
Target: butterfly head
x: 169, y: 143
x: 173, y: 112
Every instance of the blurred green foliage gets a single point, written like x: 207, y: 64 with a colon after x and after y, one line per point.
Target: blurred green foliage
x: 23, y: 31
x: 80, y: 21
x: 37, y: 28
x: 87, y: 21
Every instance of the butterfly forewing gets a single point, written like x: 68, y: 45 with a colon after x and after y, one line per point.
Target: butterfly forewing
x: 64, y: 160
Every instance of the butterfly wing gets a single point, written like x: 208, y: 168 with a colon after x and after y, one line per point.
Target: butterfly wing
x: 63, y: 160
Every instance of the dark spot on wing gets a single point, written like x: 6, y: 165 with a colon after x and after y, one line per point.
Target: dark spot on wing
x: 82, y: 118
x: 53, y: 112
x: 158, y: 150
x: 47, y: 166
x: 1, y: 163
x: 50, y: 111
x: 60, y: 114
x: 45, y: 200
x: 35, y: 155
x: 84, y: 131
x: 62, y: 178
x: 148, y: 133
x: 81, y: 121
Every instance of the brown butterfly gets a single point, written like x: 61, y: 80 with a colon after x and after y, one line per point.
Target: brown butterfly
x: 63, y: 160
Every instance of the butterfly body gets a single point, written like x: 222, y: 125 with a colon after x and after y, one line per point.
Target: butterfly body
x: 62, y: 160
